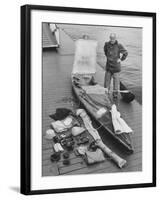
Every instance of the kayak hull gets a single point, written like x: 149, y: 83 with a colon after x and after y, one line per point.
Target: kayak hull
x: 124, y: 139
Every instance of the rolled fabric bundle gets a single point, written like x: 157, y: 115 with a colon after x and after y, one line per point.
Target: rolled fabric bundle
x: 56, y: 148
x: 117, y: 159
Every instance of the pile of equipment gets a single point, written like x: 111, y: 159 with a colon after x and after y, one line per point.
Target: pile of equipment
x: 73, y: 132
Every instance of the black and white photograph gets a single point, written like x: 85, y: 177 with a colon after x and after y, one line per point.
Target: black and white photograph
x: 87, y: 99
x: 92, y: 99
x: 79, y: 100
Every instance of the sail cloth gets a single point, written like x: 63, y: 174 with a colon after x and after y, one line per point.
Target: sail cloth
x: 85, y: 57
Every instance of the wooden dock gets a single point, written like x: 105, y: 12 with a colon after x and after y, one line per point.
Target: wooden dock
x: 57, y: 92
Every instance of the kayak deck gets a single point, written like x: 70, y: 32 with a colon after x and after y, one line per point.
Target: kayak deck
x: 57, y: 92
x: 92, y: 103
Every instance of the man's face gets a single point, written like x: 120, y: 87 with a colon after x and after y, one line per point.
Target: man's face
x: 112, y: 39
x: 85, y: 37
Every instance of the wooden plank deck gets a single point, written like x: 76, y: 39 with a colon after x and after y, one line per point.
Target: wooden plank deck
x: 57, y: 92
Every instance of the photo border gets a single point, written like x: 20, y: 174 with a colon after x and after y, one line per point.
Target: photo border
x: 26, y: 98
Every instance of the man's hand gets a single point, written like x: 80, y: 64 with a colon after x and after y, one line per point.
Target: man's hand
x: 119, y: 60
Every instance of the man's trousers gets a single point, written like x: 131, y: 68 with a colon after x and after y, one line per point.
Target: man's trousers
x: 107, y: 82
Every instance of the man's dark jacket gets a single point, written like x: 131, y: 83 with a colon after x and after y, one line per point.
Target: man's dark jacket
x: 113, y: 52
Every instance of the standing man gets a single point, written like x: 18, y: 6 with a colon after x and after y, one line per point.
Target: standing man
x: 115, y: 53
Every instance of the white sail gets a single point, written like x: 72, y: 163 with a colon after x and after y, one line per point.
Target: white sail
x: 85, y: 57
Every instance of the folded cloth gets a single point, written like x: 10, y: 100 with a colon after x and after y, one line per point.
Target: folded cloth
x: 58, y: 147
x: 63, y: 125
x: 76, y: 130
x: 59, y: 126
x: 92, y: 157
x: 81, y: 150
x: 50, y: 134
x: 94, y: 89
x: 120, y: 126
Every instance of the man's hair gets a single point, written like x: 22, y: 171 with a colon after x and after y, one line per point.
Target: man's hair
x: 112, y: 35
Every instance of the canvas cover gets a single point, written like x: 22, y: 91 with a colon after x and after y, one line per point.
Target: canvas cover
x: 85, y: 57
